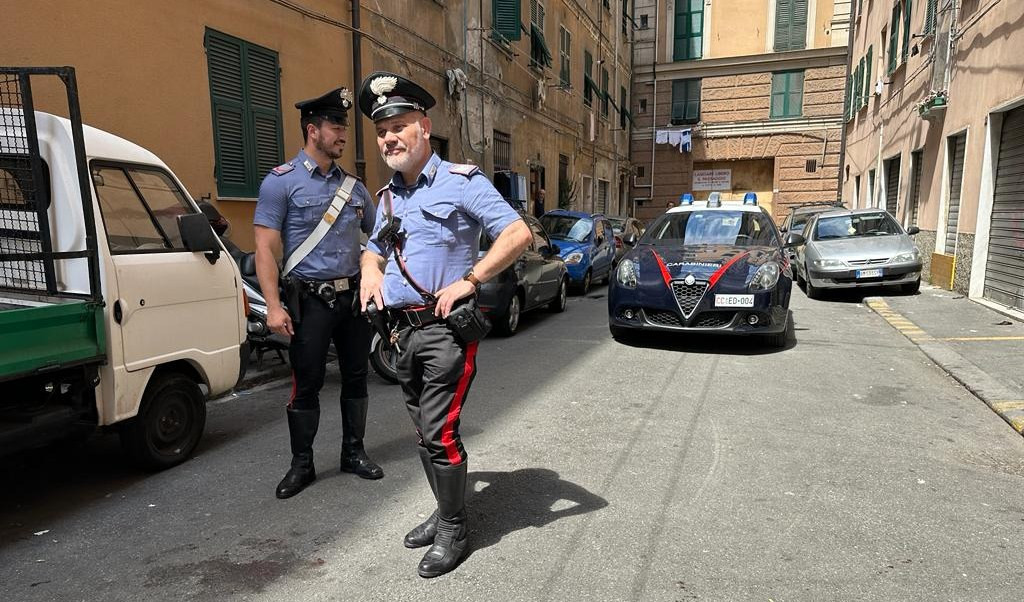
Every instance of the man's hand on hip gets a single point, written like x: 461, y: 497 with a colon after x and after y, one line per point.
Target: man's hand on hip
x: 447, y: 296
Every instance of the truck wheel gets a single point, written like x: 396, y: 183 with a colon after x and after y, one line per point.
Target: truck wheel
x: 169, y: 424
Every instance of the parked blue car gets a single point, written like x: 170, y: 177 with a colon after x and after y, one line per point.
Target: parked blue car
x: 586, y: 242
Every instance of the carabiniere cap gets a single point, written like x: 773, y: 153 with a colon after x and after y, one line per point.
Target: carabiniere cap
x: 333, y: 105
x: 383, y: 94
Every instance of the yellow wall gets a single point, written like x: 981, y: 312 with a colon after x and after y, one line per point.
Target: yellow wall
x: 738, y: 28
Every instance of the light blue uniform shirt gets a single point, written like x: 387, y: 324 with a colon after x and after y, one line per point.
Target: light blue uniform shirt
x: 293, y: 200
x: 442, y: 215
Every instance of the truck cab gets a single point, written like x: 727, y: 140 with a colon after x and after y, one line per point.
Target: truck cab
x: 153, y: 320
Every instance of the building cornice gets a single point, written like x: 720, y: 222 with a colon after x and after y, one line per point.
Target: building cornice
x: 742, y: 65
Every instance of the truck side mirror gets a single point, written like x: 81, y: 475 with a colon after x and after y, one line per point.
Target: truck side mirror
x: 198, y: 236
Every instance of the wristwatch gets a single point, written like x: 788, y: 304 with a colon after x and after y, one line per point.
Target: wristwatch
x: 471, y: 278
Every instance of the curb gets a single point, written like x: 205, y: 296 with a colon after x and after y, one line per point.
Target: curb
x: 1004, y: 401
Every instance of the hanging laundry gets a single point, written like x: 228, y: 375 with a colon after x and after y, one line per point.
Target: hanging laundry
x: 678, y: 138
x: 661, y: 136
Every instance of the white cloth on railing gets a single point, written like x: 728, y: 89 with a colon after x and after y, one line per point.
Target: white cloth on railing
x: 678, y: 138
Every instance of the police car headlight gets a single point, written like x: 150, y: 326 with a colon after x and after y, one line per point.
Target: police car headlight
x: 766, y: 277
x: 627, y: 273
x: 906, y: 257
x: 574, y: 258
x: 828, y: 264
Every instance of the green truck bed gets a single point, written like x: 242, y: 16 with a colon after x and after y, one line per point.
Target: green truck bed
x: 41, y: 338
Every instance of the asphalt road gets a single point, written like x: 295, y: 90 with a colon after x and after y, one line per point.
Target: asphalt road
x: 844, y: 467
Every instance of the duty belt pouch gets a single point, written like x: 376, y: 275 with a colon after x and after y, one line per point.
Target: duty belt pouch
x: 468, y: 321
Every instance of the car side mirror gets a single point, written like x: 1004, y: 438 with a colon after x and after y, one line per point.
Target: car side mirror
x: 247, y: 265
x: 198, y: 236
x: 630, y: 239
x: 783, y: 229
x: 913, y: 230
x: 794, y: 240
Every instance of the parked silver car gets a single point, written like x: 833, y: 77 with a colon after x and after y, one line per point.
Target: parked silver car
x: 857, y: 248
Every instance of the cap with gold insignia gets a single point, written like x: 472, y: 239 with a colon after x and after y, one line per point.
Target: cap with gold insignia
x: 334, y: 105
x: 383, y: 94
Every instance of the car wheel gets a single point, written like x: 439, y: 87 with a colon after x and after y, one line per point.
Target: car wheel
x: 584, y: 287
x: 384, y: 360
x: 169, y: 425
x: 509, y: 325
x: 911, y: 288
x: 813, y: 292
x: 558, y: 304
x: 799, y: 279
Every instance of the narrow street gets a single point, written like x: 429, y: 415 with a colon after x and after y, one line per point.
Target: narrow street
x: 846, y: 466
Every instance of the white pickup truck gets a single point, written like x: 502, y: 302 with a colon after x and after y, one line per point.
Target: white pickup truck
x: 118, y: 303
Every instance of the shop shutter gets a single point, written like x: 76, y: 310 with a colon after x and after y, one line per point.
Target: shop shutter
x: 892, y: 185
x: 1004, y: 271
x: 956, y: 178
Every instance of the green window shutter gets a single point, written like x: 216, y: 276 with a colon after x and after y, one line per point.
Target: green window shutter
x: 848, y: 105
x: 858, y: 85
x: 505, y: 20
x: 787, y: 94
x: 894, y: 38
x: 685, y: 101
x: 604, y: 92
x: 906, y: 30
x: 540, y: 56
x: 245, y: 99
x: 623, y: 108
x: 790, y: 25
x: 869, y: 86
x: 688, y: 42
x: 929, y: 16
x: 588, y: 82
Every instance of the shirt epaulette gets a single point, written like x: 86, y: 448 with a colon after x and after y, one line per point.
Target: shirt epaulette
x: 280, y: 170
x: 463, y: 169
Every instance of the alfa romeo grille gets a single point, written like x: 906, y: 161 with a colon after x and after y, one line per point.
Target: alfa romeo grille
x: 688, y: 295
x: 715, y: 319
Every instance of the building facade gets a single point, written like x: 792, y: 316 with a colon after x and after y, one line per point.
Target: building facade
x: 935, y: 124
x: 736, y: 96
x: 533, y: 91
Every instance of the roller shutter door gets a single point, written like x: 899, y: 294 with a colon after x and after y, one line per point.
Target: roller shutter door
x: 892, y: 185
x: 1004, y: 271
x: 957, y: 146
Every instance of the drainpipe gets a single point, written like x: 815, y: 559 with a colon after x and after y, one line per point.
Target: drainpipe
x: 842, y: 139
x: 654, y: 97
x: 357, y: 77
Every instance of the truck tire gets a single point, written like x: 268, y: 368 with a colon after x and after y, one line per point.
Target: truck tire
x: 169, y: 424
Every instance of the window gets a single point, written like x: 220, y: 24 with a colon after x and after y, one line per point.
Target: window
x: 685, y: 101
x: 787, y: 94
x: 869, y: 86
x: 643, y: 22
x: 790, y: 25
x: 502, y: 151
x: 140, y: 208
x: 643, y: 106
x: 906, y: 30
x: 894, y: 38
x: 604, y: 93
x: 848, y: 105
x: 624, y: 114
x: 588, y: 83
x: 929, y: 17
x: 540, y: 239
x: 689, y: 30
x: 537, y: 14
x: 245, y: 98
x: 564, y: 56
x: 540, y: 56
x: 641, y: 171
x: 505, y: 20
x: 439, y: 145
x: 602, y: 204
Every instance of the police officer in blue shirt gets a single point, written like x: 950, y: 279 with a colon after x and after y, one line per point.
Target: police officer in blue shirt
x: 442, y: 208
x: 292, y: 220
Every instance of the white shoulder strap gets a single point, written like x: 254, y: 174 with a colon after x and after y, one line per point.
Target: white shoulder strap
x: 341, y: 198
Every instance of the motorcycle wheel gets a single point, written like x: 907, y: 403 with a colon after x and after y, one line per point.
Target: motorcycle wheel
x: 384, y: 360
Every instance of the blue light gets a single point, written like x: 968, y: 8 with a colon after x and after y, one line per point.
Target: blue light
x: 686, y: 199
x: 750, y: 198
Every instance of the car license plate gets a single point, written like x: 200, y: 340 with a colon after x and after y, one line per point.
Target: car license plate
x: 734, y: 300
x: 876, y: 273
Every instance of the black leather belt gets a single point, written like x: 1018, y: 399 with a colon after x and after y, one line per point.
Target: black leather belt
x: 339, y: 285
x: 417, y: 317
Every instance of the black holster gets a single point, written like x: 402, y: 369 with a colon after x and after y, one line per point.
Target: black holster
x: 292, y: 292
x: 468, y: 321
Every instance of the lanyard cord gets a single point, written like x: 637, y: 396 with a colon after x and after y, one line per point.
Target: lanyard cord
x: 390, y: 212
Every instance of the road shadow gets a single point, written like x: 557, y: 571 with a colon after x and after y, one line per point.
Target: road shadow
x: 718, y: 344
x: 857, y: 295
x: 500, y: 503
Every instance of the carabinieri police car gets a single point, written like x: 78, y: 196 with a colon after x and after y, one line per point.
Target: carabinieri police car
x: 707, y: 267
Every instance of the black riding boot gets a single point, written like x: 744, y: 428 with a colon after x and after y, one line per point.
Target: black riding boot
x: 451, y: 542
x: 353, y: 428
x: 423, y: 535
x: 302, y: 426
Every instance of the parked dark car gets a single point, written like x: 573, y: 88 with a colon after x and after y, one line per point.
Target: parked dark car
x: 623, y: 227
x: 538, y: 278
x: 586, y: 242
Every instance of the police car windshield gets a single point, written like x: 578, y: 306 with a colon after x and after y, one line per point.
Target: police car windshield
x: 567, y: 227
x: 692, y: 228
x: 852, y: 226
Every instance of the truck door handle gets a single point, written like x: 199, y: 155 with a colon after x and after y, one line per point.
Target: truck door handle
x: 118, y: 314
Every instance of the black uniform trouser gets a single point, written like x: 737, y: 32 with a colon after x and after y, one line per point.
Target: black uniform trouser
x: 308, y: 351
x: 436, y: 370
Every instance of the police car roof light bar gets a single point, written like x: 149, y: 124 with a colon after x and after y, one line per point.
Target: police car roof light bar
x: 686, y: 199
x: 750, y: 198
x: 715, y: 199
